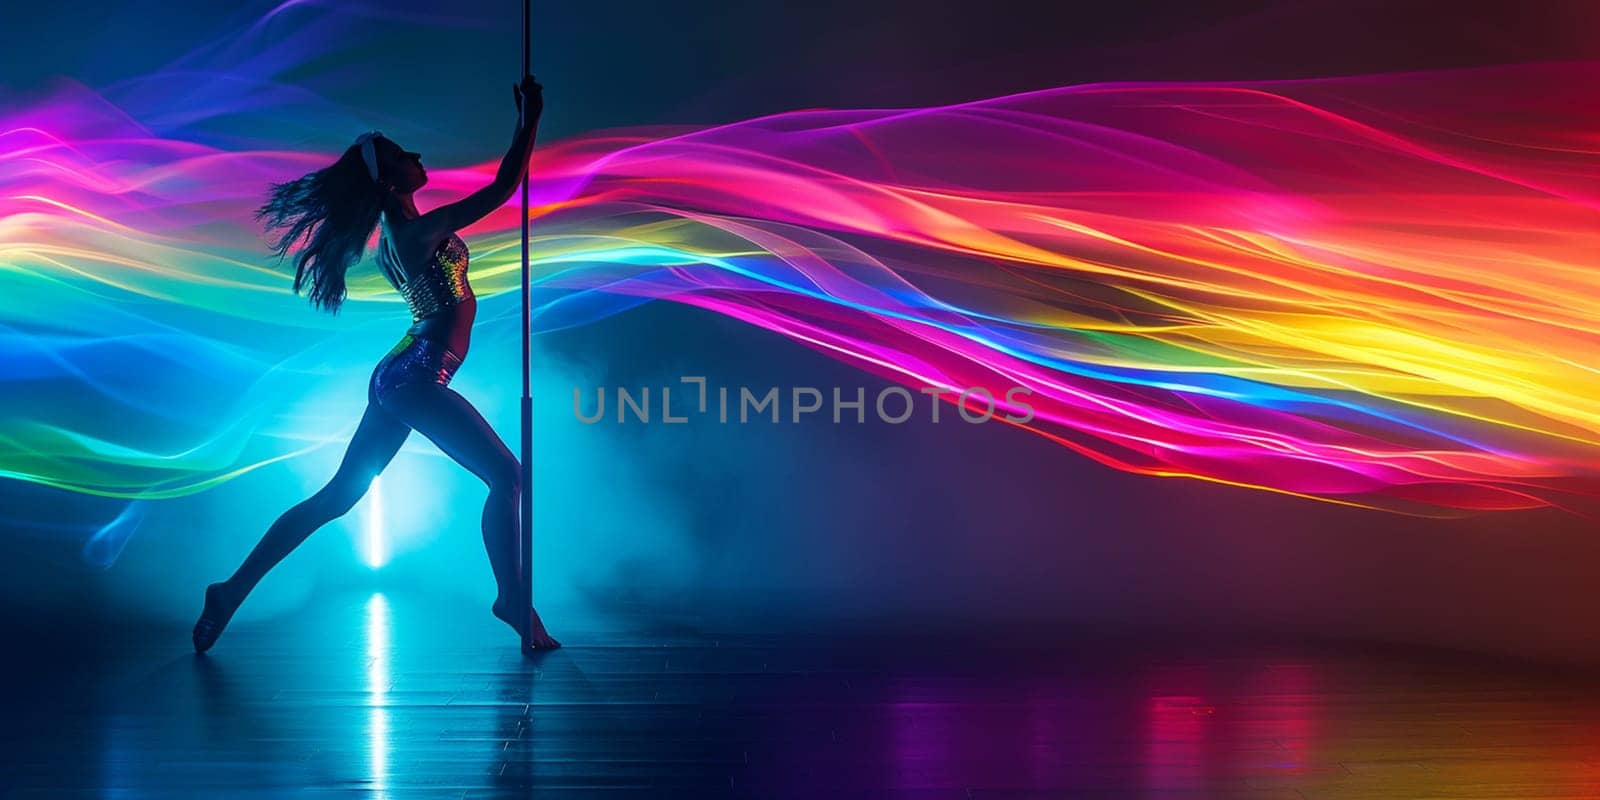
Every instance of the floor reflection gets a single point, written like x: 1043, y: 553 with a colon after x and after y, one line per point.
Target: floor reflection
x: 378, y: 682
x: 388, y: 695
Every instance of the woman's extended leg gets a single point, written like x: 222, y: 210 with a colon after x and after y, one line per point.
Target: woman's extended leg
x: 376, y: 440
x: 450, y: 422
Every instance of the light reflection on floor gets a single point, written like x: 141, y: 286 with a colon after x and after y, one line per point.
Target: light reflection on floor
x: 378, y: 681
x: 397, y: 695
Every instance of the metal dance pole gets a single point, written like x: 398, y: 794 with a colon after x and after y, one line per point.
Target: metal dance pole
x: 525, y: 548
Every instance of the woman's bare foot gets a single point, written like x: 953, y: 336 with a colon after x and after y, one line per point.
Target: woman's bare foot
x: 221, y: 602
x: 538, y: 638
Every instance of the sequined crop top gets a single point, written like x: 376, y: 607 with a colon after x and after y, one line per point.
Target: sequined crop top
x: 441, y: 301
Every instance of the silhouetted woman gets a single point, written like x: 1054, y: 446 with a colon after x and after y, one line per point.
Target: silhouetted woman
x: 334, y: 211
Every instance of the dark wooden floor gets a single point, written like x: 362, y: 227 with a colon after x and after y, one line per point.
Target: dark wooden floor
x: 388, y: 697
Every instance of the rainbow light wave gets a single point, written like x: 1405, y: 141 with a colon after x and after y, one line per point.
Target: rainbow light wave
x: 1378, y: 291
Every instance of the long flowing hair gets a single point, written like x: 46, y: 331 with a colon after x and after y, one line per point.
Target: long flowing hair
x: 333, y: 211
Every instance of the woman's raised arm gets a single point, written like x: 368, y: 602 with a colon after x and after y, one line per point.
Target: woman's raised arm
x: 452, y: 217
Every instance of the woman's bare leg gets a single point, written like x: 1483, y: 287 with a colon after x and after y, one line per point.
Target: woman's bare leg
x: 376, y: 440
x: 450, y: 422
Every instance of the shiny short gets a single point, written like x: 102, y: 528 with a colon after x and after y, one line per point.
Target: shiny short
x: 413, y: 360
